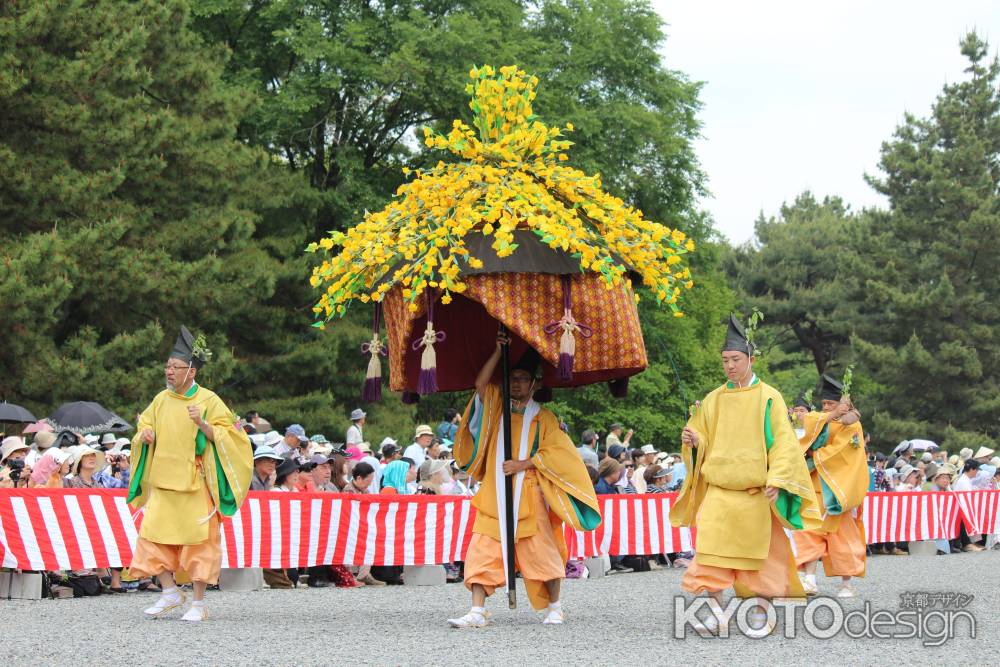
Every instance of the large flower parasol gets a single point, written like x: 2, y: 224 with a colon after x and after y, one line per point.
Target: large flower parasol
x: 503, y: 231
x: 502, y: 234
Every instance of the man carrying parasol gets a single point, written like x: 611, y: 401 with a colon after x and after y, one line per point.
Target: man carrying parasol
x: 503, y: 234
x: 551, y: 486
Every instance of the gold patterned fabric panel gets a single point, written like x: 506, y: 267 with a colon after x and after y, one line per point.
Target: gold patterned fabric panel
x: 526, y: 302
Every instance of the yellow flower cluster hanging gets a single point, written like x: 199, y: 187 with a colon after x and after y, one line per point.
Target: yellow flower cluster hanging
x: 510, y: 173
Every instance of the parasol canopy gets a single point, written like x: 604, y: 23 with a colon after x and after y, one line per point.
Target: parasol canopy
x: 916, y: 445
x: 86, y: 417
x: 502, y: 233
x: 15, y: 414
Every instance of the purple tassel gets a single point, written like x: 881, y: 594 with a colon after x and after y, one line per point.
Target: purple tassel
x: 410, y: 398
x: 619, y: 388
x: 372, y: 391
x: 427, y: 381
x: 568, y: 326
x: 565, y: 368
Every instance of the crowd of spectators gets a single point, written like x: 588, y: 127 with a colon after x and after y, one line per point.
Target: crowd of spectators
x: 292, y: 461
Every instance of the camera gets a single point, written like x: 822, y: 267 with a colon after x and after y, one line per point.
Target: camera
x: 16, y: 468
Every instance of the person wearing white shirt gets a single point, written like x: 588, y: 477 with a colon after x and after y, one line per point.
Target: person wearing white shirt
x: 964, y: 481
x: 422, y: 439
x: 354, y: 435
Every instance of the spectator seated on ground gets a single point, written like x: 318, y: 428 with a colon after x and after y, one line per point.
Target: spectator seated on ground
x: 361, y: 478
x: 14, y: 471
x: 265, y: 462
x: 434, y: 477
x: 286, y: 476
x: 608, y: 474
x: 657, y: 478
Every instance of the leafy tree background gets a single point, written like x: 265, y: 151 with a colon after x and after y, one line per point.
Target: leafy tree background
x: 166, y: 163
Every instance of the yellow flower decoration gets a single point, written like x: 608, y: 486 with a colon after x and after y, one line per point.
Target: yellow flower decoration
x: 507, y: 172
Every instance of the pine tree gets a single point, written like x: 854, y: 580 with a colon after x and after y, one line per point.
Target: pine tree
x: 932, y: 296
x: 127, y: 207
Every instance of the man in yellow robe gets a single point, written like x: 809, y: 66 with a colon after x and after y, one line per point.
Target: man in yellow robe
x: 190, y: 464
x: 747, y: 482
x: 551, y: 486
x: 834, y: 447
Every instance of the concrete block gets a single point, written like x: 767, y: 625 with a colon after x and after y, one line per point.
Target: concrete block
x: 424, y: 575
x: 25, y: 586
x: 241, y: 580
x: 923, y: 548
x: 598, y: 565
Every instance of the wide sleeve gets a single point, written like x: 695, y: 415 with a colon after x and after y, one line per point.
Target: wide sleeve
x: 139, y: 462
x: 795, y: 506
x: 478, y: 432
x: 562, y: 475
x: 229, y: 455
x: 843, y: 465
x: 685, y: 508
x: 817, y: 432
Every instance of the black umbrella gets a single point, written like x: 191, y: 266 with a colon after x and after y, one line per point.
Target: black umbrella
x: 86, y: 417
x: 15, y: 414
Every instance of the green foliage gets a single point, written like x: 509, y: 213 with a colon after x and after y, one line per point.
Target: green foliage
x: 935, y: 308
x: 165, y: 163
x: 125, y: 201
x: 796, y: 272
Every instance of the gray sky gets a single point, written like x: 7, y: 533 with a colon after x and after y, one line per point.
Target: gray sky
x: 800, y: 95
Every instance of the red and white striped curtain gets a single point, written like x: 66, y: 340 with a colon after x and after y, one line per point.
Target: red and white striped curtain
x: 56, y: 529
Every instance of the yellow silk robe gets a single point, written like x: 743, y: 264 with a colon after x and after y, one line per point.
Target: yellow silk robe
x: 170, y: 479
x: 560, y: 472
x: 840, y: 476
x: 723, y: 494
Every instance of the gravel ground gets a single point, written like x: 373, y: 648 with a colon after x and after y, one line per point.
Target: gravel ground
x: 624, y: 619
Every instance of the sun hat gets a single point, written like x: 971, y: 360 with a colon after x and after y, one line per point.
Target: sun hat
x: 648, y: 449
x: 434, y: 466
x: 86, y: 450
x: 945, y: 469
x: 357, y: 414
x: 906, y: 471
x: 352, y: 453
x: 965, y: 453
x: 266, y: 452
x: 983, y: 453
x: 423, y: 429
x: 44, y: 439
x: 318, y: 460
x: 365, y: 448
x: 10, y: 445
x: 325, y: 449
x: 297, y: 431
x: 108, y: 439
x: 662, y: 472
x: 272, y: 438
x: 319, y: 439
x: 91, y: 439
x: 285, y: 468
